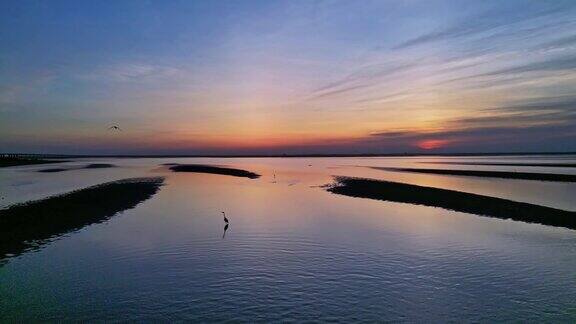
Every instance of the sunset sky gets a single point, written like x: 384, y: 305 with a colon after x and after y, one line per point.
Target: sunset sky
x: 273, y: 77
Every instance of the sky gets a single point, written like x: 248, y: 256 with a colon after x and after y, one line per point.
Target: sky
x: 287, y: 77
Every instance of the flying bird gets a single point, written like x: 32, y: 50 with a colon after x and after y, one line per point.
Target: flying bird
x: 225, y: 219
x: 116, y: 127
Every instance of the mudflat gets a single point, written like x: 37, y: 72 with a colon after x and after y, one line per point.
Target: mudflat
x: 453, y: 200
x: 30, y: 225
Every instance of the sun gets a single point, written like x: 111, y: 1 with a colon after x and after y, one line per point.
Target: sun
x: 432, y: 144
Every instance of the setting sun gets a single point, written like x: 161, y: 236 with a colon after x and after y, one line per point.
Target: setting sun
x: 432, y: 144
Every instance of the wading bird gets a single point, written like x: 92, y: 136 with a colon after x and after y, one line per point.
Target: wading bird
x: 225, y: 219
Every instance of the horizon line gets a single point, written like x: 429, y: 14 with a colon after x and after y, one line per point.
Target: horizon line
x: 56, y: 155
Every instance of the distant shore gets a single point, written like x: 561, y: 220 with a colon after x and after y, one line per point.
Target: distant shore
x: 279, y: 155
x: 16, y: 161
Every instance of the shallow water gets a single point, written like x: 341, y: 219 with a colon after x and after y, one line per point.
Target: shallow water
x: 294, y: 252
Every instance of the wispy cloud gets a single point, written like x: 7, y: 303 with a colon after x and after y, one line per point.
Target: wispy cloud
x: 363, y: 76
x: 491, y: 20
x: 494, y: 43
x: 127, y: 72
x: 540, y: 120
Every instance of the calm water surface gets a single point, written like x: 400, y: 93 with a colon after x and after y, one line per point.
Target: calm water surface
x: 294, y: 252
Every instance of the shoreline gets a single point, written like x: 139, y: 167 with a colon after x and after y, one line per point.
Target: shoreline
x: 10, y: 162
x: 282, y: 155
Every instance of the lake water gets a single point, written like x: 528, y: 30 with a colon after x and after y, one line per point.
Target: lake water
x: 293, y: 251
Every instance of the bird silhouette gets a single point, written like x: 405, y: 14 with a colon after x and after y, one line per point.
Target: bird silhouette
x: 225, y: 219
x: 116, y: 127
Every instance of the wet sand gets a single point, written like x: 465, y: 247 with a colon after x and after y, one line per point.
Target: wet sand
x: 8, y: 162
x: 453, y: 200
x: 89, y: 166
x: 201, y: 168
x: 30, y: 225
x: 490, y: 174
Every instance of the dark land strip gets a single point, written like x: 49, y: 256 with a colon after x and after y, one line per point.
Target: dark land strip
x: 30, y: 225
x: 201, y: 168
x: 546, y: 165
x: 9, y: 161
x: 453, y: 200
x: 88, y: 166
x: 490, y: 174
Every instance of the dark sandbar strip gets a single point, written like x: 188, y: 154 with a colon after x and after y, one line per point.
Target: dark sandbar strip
x: 490, y: 174
x: 546, y: 165
x: 28, y: 226
x: 99, y: 166
x: 453, y: 200
x: 8, y: 162
x: 88, y: 166
x: 201, y: 168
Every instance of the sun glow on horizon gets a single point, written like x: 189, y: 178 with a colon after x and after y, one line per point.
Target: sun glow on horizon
x: 432, y: 144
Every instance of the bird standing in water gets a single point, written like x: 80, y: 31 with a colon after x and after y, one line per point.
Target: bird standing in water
x: 225, y: 219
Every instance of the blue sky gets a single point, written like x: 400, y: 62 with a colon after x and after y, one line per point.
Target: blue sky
x: 232, y: 77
